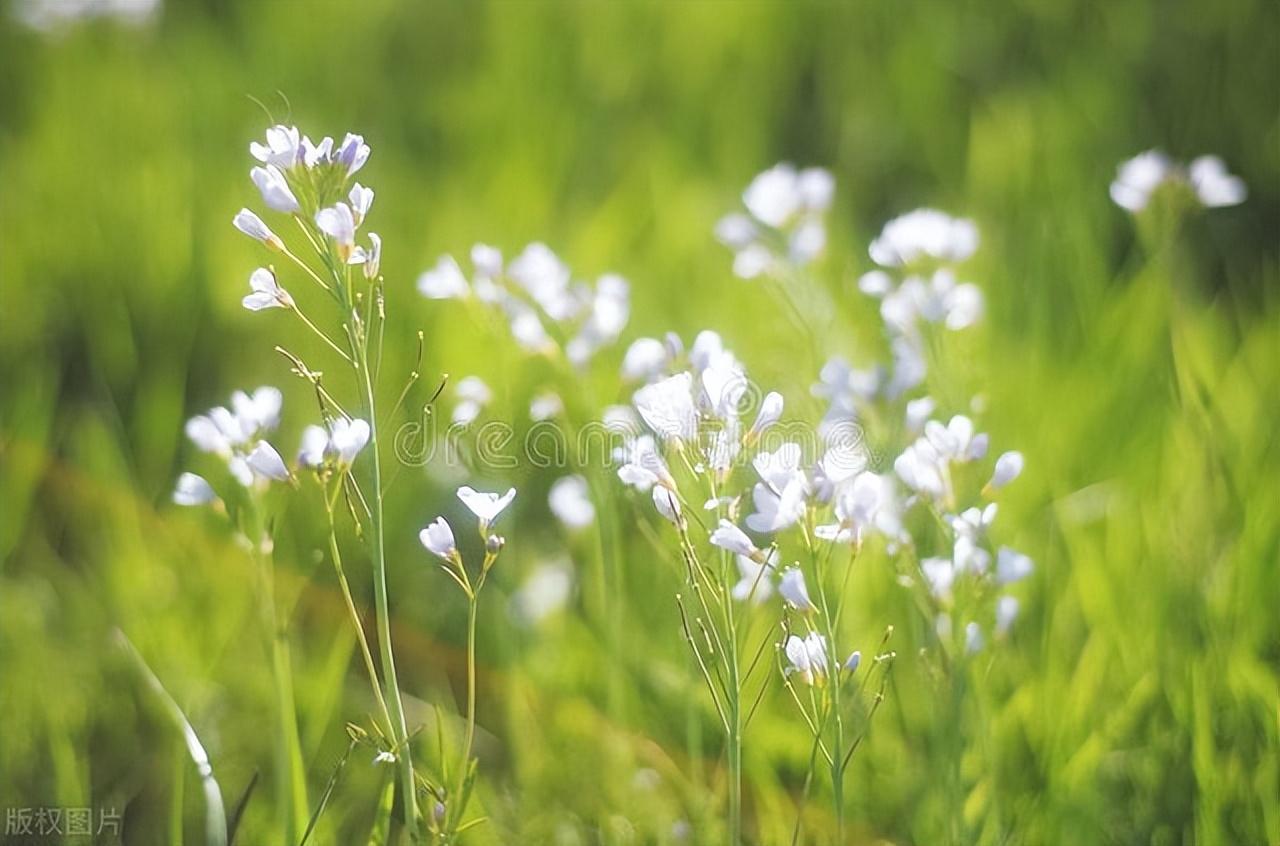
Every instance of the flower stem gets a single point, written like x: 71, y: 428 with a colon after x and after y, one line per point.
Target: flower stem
x: 395, y: 706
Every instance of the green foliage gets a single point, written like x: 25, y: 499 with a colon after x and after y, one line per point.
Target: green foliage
x: 1136, y: 699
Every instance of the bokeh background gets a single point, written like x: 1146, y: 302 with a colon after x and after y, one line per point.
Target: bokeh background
x: 1137, y: 701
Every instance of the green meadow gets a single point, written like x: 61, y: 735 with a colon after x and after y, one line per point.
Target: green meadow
x: 1133, y: 359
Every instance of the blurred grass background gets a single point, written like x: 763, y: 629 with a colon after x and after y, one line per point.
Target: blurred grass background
x: 1139, y: 699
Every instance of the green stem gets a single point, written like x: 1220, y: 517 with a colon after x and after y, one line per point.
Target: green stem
x: 377, y: 538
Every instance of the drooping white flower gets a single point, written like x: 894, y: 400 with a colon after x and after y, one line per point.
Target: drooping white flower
x: 1008, y: 468
x: 924, y: 234
x: 252, y: 225
x: 570, y: 502
x: 266, y: 463
x: 644, y: 467
x: 282, y: 150
x: 445, y: 281
x: 266, y: 292
x: 729, y: 537
x: 1012, y: 566
x: 667, y: 503
x: 193, y: 490
x: 853, y: 661
x: 794, y: 590
x: 755, y: 577
x: 372, y: 258
x: 275, y: 189
x: 361, y: 200
x: 778, y: 508
x: 1214, y: 186
x: 808, y: 657
x: 770, y: 412
x: 667, y: 407
x: 339, y: 224
x: 473, y: 395
x: 438, y: 539
x: 486, y: 506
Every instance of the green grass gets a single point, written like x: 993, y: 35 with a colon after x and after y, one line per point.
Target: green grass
x: 1137, y: 700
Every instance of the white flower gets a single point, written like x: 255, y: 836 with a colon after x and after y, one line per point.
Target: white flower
x: 973, y: 639
x: 922, y: 469
x: 729, y: 537
x: 754, y: 581
x: 570, y: 501
x: 487, y: 260
x: 1138, y: 178
x: 546, y: 279
x: 314, y: 154
x: 486, y: 506
x: 252, y: 225
x: 438, y: 539
x: 724, y: 383
x: 283, y: 148
x: 853, y: 662
x: 773, y: 197
x: 1008, y: 468
x: 267, y: 293
x: 352, y: 154
x: 608, y: 310
x: 779, y: 467
x: 445, y: 281
x: 668, y: 505
x: 939, y: 574
x: 473, y: 395
x: 869, y: 503
x: 384, y: 757
x: 956, y: 441
x: 808, y: 657
x: 918, y: 412
x: 193, y: 490
x: 545, y: 406
x: 921, y: 234
x: 794, y: 590
x: 315, y: 442
x: 1213, y: 185
x: 1006, y: 613
x: 645, y: 360
x: 1012, y: 566
x: 778, y: 508
x: 644, y: 467
x: 667, y: 406
x: 770, y: 412
x: 275, y: 189
x: 266, y: 463
x: 361, y: 199
x: 258, y: 412
x: 373, y: 256
x: 338, y: 223
x: 347, y: 438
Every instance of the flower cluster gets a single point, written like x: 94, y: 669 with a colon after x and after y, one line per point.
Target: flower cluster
x: 237, y: 436
x: 1206, y: 178
x: 546, y: 308
x: 783, y: 226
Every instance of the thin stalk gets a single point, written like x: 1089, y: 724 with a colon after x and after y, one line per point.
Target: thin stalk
x: 355, y: 621
x: 473, y: 605
x: 291, y: 787
x: 399, y: 728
